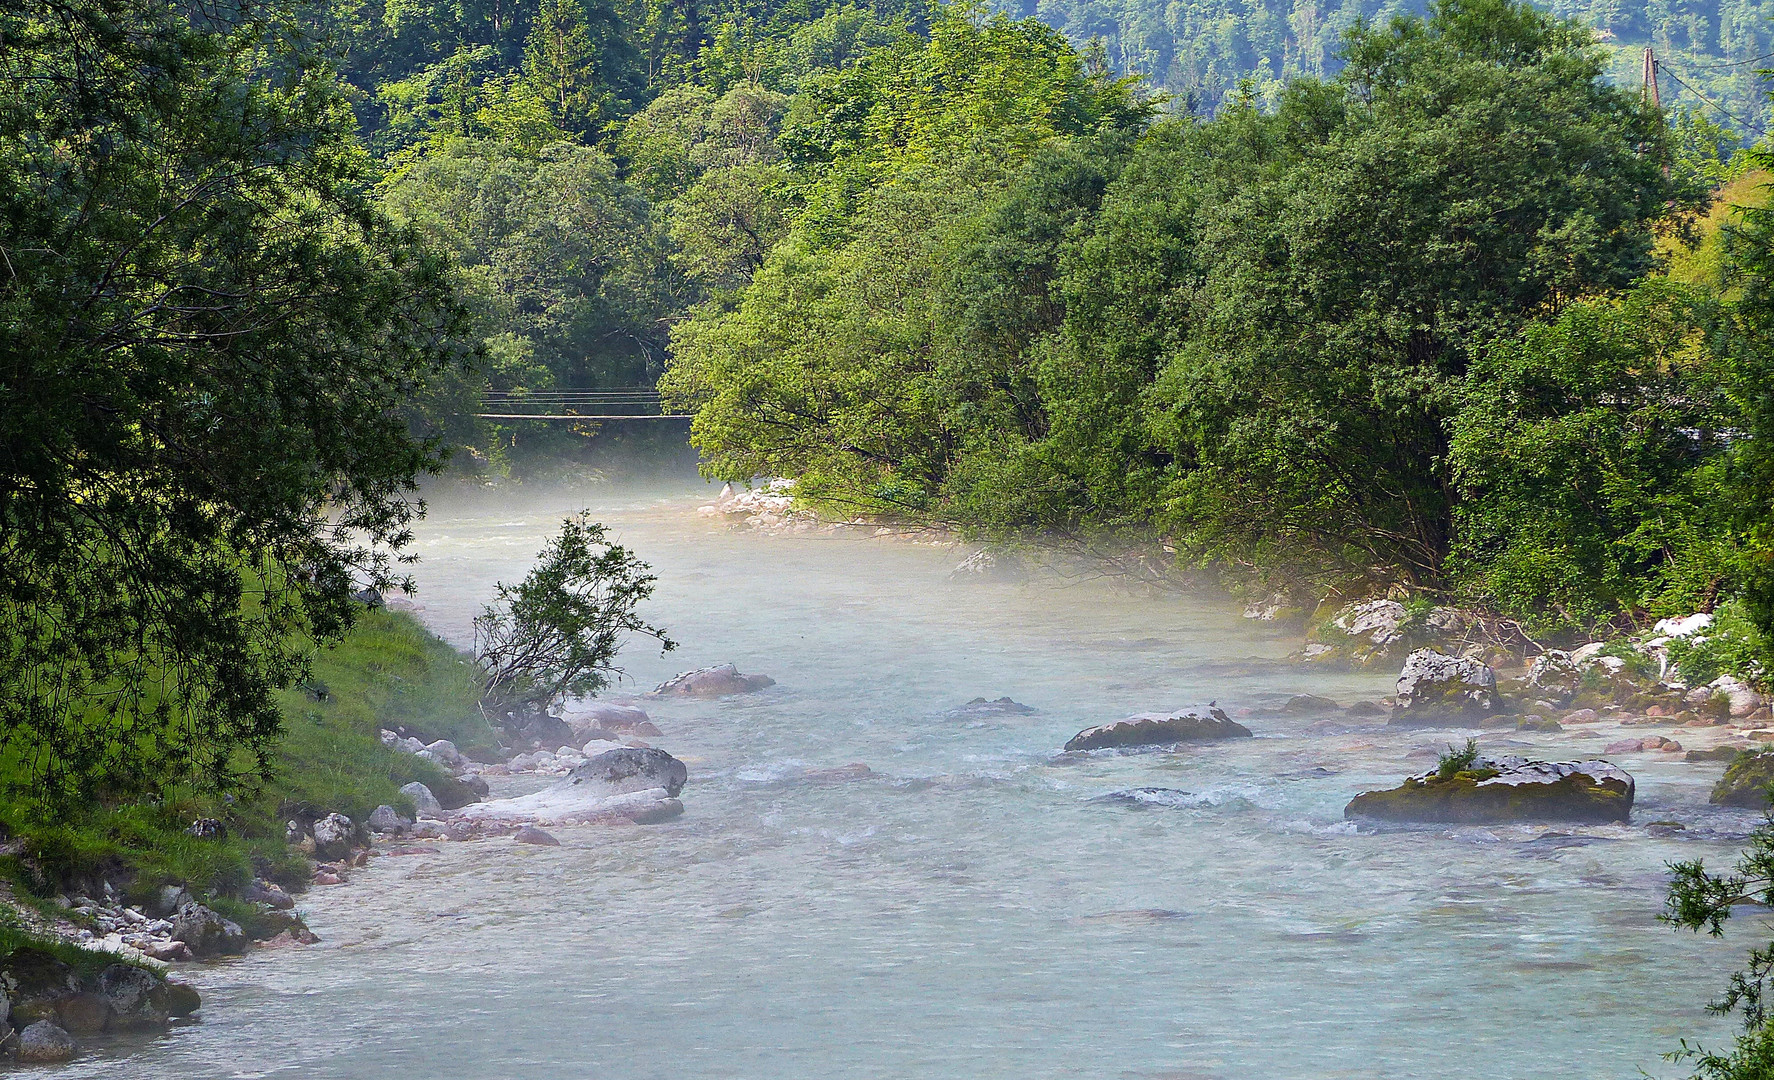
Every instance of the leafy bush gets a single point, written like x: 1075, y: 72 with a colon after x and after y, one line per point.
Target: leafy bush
x: 556, y: 633
x: 387, y: 671
x: 1589, y: 457
x: 1457, y: 760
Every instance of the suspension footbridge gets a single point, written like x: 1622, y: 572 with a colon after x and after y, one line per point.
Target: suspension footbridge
x: 609, y: 403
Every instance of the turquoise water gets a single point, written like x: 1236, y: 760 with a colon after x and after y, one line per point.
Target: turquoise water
x: 968, y: 910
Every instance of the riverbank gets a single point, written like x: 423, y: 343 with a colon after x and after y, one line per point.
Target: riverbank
x: 189, y: 878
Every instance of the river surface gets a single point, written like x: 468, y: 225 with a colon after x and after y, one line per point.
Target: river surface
x: 968, y: 910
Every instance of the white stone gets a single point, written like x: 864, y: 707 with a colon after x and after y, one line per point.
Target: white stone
x: 1376, y: 620
x: 1683, y: 627
x: 332, y: 829
x: 561, y: 800
x: 445, y: 753
x: 1744, y: 700
x: 1582, y: 654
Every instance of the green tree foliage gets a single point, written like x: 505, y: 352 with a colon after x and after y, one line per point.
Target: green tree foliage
x: 1750, y: 480
x: 570, y: 64
x: 1463, y: 174
x: 556, y: 633
x: 209, y: 331
x: 1202, y: 53
x: 1699, y: 900
x: 839, y: 362
x: 564, y: 263
x: 1265, y: 329
x: 1590, y: 460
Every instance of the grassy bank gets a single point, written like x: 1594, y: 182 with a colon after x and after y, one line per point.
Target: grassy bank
x: 389, y: 672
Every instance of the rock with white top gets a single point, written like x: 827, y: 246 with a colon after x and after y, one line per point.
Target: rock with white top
x: 1556, y: 675
x: 333, y: 835
x: 1743, y: 698
x: 718, y: 681
x: 1500, y: 789
x: 1683, y: 627
x: 1196, y: 723
x: 444, y: 752
x: 1362, y: 633
x: 1437, y: 689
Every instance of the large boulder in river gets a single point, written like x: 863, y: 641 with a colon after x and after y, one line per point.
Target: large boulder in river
x: 980, y: 707
x: 1364, y: 633
x: 1192, y: 724
x: 1491, y: 790
x: 1435, y: 688
x: 630, y: 768
x: 1746, y: 781
x: 425, y: 804
x: 603, y: 716
x: 717, y: 681
x: 43, y: 1043
x: 137, y: 998
x: 206, y: 933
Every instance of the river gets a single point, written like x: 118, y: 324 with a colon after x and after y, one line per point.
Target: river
x: 968, y: 910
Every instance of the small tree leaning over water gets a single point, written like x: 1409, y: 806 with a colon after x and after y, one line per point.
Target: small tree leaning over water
x: 1699, y: 900
x: 556, y: 633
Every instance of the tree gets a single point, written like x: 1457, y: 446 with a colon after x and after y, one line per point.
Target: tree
x: 209, y: 332
x: 1589, y: 460
x: 560, y: 60
x: 830, y: 364
x: 556, y: 633
x: 554, y: 250
x: 1698, y: 900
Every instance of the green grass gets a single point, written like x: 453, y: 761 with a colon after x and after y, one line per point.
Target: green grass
x: 388, y: 672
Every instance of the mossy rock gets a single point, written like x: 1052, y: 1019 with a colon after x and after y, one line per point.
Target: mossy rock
x: 1717, y: 753
x: 1746, y: 780
x: 453, y: 794
x: 1197, y: 723
x: 1504, y: 790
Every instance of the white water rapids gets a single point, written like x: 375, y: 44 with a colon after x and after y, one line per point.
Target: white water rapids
x: 968, y: 911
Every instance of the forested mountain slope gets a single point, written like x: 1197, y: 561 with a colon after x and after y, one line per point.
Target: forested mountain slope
x: 1201, y: 50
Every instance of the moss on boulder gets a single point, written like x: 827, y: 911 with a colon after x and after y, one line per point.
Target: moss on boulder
x: 1505, y: 789
x: 1746, y: 780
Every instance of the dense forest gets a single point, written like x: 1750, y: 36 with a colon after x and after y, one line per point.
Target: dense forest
x: 1204, y: 53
